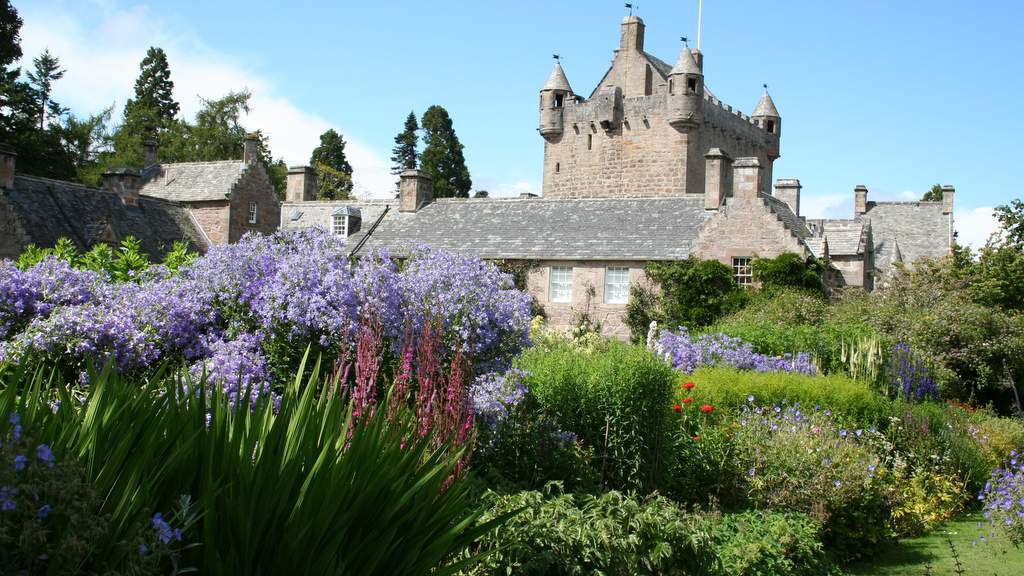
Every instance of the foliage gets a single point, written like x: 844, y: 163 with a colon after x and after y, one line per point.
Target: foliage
x: 789, y: 270
x: 925, y: 498
x: 50, y: 519
x: 800, y: 459
x: 442, y: 155
x: 686, y: 354
x: 757, y: 542
x: 692, y: 293
x: 45, y: 71
x: 127, y: 263
x: 934, y: 194
x: 1003, y: 497
x: 153, y: 108
x: 583, y: 534
x: 404, y: 155
x: 307, y: 485
x: 1011, y: 219
x: 334, y: 173
x: 615, y: 398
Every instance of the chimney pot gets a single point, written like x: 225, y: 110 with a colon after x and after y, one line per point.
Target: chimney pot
x: 746, y: 177
x: 860, y: 200
x: 788, y: 190
x: 716, y: 178
x: 301, y: 184
x: 416, y: 190
x: 251, y: 155
x: 947, y: 198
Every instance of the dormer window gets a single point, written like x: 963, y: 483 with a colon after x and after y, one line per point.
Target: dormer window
x: 252, y: 212
x: 339, y: 225
x: 691, y: 85
x: 558, y: 100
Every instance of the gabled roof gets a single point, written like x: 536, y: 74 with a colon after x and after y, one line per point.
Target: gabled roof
x: 50, y: 209
x: 557, y: 80
x: 818, y: 247
x: 192, y: 181
x: 766, y: 107
x: 549, y: 229
x: 907, y: 231
x: 789, y: 218
x: 845, y: 237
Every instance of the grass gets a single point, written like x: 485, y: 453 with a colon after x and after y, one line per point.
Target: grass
x: 913, y: 556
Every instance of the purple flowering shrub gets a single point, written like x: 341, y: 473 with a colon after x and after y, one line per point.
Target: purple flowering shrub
x: 257, y: 305
x: 1003, y: 499
x: 495, y: 395
x: 912, y: 379
x: 686, y: 354
x: 793, y: 458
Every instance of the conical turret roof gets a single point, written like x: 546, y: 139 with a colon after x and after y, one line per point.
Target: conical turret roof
x: 557, y: 80
x: 766, y: 107
x: 686, y: 64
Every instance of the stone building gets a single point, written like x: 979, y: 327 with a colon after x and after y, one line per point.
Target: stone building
x: 201, y: 203
x: 651, y: 167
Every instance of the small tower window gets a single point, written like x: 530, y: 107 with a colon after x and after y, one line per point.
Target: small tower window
x: 252, y: 212
x: 648, y: 81
x: 691, y: 85
x: 558, y: 167
x: 558, y: 100
x: 671, y: 86
x: 769, y: 125
x: 590, y: 141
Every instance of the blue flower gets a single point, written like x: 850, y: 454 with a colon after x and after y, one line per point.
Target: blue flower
x: 44, y: 511
x: 44, y: 454
x: 20, y: 461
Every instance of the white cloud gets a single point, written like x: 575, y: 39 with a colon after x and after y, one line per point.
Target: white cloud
x: 101, y: 52
x: 826, y: 205
x: 975, y: 226
x: 513, y: 190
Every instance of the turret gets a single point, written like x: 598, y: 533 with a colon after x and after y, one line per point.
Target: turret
x: 553, y: 97
x: 767, y: 117
x: 685, y: 92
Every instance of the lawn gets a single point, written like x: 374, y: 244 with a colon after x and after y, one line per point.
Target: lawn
x: 914, y: 556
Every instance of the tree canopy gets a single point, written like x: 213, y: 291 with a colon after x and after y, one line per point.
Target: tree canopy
x: 404, y: 155
x: 334, y: 173
x: 934, y: 194
x: 442, y: 155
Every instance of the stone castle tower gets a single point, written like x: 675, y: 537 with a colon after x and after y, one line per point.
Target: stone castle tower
x: 648, y: 129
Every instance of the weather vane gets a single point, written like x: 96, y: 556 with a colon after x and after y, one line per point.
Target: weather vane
x: 630, y: 6
x: 556, y: 56
x: 686, y: 41
x: 765, y: 87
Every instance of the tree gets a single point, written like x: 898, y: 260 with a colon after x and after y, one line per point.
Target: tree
x: 86, y: 139
x: 933, y: 195
x: 442, y: 156
x: 334, y: 173
x: 481, y: 194
x: 46, y: 70
x: 404, y: 155
x: 1011, y: 218
x: 10, y: 41
x: 153, y: 107
x: 277, y: 170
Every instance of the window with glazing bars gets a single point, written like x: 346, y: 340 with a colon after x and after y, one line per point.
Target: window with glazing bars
x: 742, y: 271
x: 252, y: 212
x: 560, y: 284
x: 339, y: 225
x: 616, y: 285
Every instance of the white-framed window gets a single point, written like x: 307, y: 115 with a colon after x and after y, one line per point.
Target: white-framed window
x: 339, y: 225
x: 742, y: 271
x: 560, y: 284
x: 252, y: 212
x: 616, y: 285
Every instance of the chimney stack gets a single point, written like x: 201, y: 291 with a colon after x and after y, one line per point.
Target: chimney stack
x: 416, y: 190
x: 746, y: 177
x: 788, y: 190
x: 251, y: 155
x: 716, y: 180
x: 7, y: 157
x: 860, y: 200
x: 125, y: 182
x: 947, y: 199
x: 632, y: 34
x: 301, y: 184
x: 150, y: 148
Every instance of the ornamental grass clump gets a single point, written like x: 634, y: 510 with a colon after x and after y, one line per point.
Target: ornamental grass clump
x: 686, y: 354
x: 1003, y: 499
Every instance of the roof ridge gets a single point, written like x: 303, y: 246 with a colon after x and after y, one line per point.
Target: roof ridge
x: 62, y: 182
x: 202, y: 163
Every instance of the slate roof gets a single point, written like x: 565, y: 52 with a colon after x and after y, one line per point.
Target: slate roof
x: 548, y: 229
x: 766, y: 107
x: 817, y: 246
x: 845, y: 237
x: 192, y: 181
x: 788, y: 217
x: 49, y: 209
x: 910, y: 230
x: 685, y: 64
x: 557, y: 80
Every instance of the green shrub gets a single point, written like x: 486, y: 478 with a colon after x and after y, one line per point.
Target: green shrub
x: 790, y: 270
x: 761, y: 543
x: 728, y: 388
x: 615, y: 397
x: 584, y: 534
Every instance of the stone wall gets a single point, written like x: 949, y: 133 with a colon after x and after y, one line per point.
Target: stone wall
x: 745, y: 227
x: 212, y: 217
x: 853, y: 270
x: 13, y: 239
x: 588, y: 295
x: 253, y: 186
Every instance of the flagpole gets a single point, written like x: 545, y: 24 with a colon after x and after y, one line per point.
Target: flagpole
x: 700, y: 22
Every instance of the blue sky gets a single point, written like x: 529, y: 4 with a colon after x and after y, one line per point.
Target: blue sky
x: 894, y: 95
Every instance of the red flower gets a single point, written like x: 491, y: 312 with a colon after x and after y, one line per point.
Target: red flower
x: 689, y: 385
x: 696, y: 437
x: 687, y: 400
x: 677, y: 407
x: 707, y: 408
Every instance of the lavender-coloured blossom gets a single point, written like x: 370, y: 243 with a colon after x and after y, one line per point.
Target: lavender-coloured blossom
x: 20, y: 461
x: 45, y: 455
x: 236, y: 366
x: 44, y: 511
x: 164, y: 532
x: 495, y: 395
x: 687, y: 355
x: 912, y: 379
x: 1003, y: 499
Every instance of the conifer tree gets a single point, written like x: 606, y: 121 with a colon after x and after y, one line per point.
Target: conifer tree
x: 934, y: 194
x: 442, y: 155
x: 46, y: 70
x: 153, y: 107
x: 404, y: 155
x: 334, y: 173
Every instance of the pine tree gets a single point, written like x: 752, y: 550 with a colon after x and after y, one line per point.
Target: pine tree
x: 442, y: 155
x: 404, y: 155
x: 153, y: 107
x: 334, y: 173
x: 46, y: 70
x: 933, y: 195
